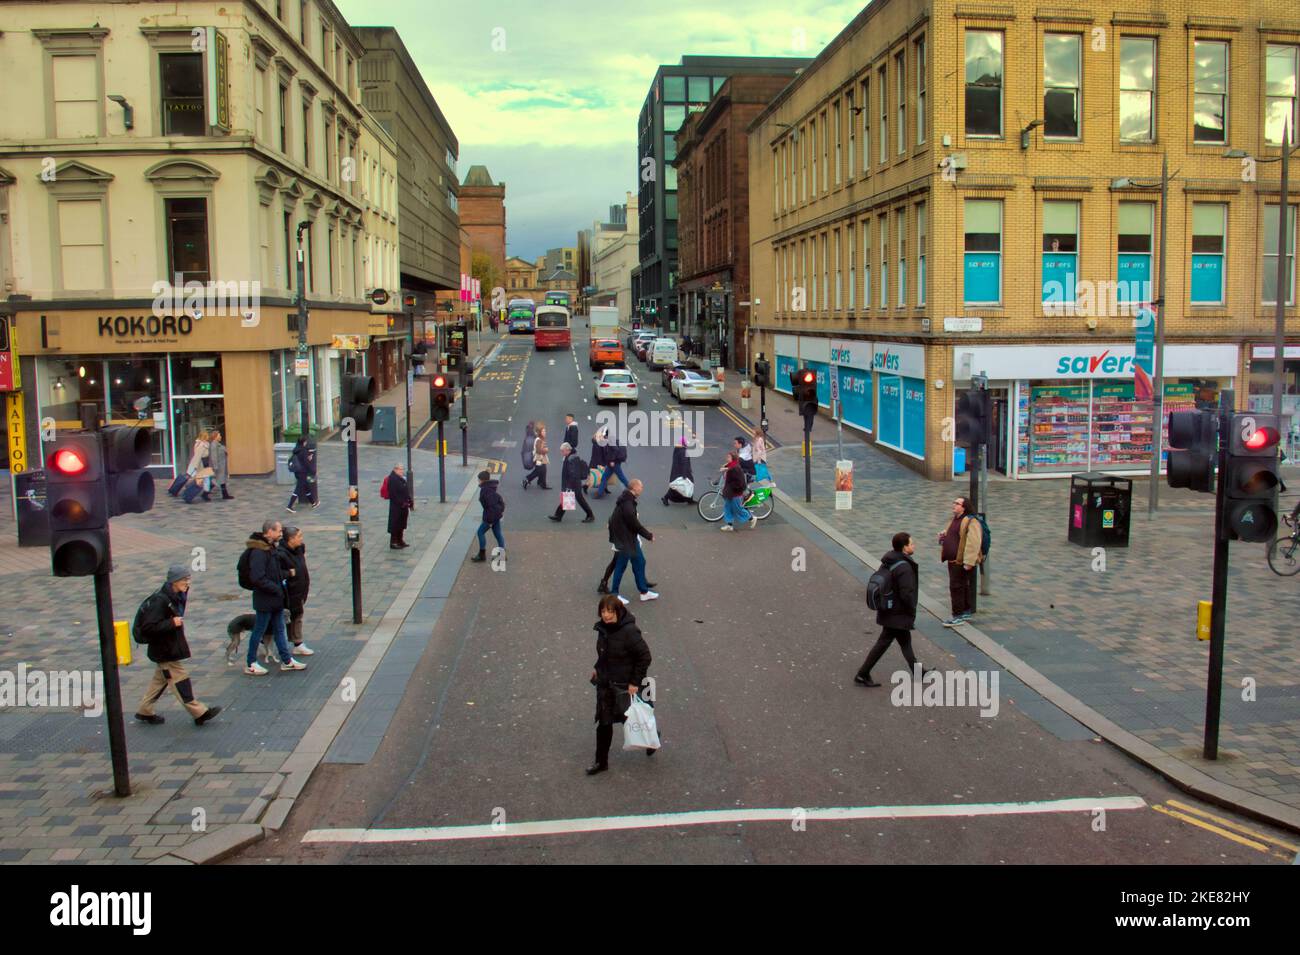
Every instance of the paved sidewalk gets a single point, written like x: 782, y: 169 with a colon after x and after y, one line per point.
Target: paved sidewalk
x: 1118, y: 636
x: 192, y: 783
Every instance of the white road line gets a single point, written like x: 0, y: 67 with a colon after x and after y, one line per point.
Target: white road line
x: 711, y: 817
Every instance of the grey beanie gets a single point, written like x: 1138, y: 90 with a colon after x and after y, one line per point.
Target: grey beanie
x: 178, y: 572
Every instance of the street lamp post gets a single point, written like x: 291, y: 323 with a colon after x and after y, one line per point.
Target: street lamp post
x: 304, y: 403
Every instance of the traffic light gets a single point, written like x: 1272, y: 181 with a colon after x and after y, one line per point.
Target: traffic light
x: 358, y: 392
x: 804, y: 385
x: 441, y: 392
x: 1251, y: 478
x: 78, y: 506
x: 417, y: 358
x: 973, y: 418
x: 1193, y: 443
x: 127, y: 481
x: 466, y: 372
x: 762, y: 373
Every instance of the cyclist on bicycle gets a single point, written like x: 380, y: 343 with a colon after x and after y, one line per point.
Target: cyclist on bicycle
x: 734, y: 490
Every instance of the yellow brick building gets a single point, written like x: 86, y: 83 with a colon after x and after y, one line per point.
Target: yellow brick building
x: 958, y: 188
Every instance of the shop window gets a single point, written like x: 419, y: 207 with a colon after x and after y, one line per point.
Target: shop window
x: 67, y: 386
x: 901, y: 407
x: 1133, y: 259
x: 1280, y: 83
x: 1209, y: 225
x: 1060, y: 251
x: 1137, y: 89
x: 983, y: 83
x: 1210, y: 97
x: 1269, y: 278
x: 187, y: 240
x: 1061, y: 81
x: 982, y: 265
x: 198, y: 375
x: 182, y: 94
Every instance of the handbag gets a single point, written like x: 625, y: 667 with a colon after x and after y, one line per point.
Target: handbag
x: 568, y: 501
x: 639, y: 729
x: 683, y: 486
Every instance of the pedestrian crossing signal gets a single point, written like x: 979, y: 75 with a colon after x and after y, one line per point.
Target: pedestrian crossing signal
x: 1251, y: 478
x: 78, y: 507
x: 441, y: 394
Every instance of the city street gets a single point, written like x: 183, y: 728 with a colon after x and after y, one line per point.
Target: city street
x: 753, y: 663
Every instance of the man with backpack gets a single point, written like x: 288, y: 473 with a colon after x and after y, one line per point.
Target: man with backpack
x: 615, y: 458
x: 302, y: 465
x: 961, y: 547
x: 892, y: 592
x: 261, y: 572
x: 494, y: 508
x: 160, y: 624
x: 573, y: 475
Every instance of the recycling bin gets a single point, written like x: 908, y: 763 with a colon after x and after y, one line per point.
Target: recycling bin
x: 1100, y: 507
x: 385, y: 426
x: 284, y: 451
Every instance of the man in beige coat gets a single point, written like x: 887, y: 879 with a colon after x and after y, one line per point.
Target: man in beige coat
x: 959, y: 547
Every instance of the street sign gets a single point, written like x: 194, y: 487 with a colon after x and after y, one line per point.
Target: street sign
x: 379, y: 296
x: 410, y: 385
x: 1144, y: 350
x: 963, y: 324
x: 301, y: 367
x: 17, y: 426
x: 843, y: 485
x: 835, y: 383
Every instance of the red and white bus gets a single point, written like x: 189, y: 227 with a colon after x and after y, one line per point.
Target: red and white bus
x: 551, y: 327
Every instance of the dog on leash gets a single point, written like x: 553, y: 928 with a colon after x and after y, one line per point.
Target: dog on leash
x: 236, y: 629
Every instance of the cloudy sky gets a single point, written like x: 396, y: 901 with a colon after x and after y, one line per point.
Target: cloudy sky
x: 554, y: 112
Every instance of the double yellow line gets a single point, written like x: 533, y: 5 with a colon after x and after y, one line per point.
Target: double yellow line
x: 1242, y: 835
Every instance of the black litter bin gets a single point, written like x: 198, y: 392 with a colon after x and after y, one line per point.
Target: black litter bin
x: 1100, y: 506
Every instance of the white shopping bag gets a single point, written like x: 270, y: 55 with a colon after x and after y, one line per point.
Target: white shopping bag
x: 683, y: 486
x: 640, y: 732
x: 568, y: 501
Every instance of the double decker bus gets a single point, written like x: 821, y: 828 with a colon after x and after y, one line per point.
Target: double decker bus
x: 552, y: 329
x: 558, y: 298
x: 520, y: 314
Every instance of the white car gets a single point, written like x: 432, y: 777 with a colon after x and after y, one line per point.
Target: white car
x: 616, y: 384
x: 692, y: 385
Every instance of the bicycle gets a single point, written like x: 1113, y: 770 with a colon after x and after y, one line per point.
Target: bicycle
x: 1284, y: 553
x: 759, y: 501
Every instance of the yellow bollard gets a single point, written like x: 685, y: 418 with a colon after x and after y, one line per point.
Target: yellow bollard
x: 1203, y: 609
x: 122, y: 631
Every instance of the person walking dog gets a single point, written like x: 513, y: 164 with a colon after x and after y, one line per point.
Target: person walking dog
x: 622, y: 660
x: 160, y: 623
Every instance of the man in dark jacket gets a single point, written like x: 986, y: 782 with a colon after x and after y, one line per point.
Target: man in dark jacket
x: 615, y: 456
x: 269, y: 598
x: 292, y: 552
x: 302, y: 464
x: 571, y: 431
x: 625, y: 533
x: 399, y: 507
x: 896, y: 623
x: 573, y: 475
x: 494, y: 508
x: 161, y: 620
x: 622, y: 659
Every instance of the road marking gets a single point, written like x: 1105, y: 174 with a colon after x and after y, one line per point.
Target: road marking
x: 726, y: 411
x: 712, y: 817
x: 1229, y: 824
x: 550, y: 361
x: 1212, y: 828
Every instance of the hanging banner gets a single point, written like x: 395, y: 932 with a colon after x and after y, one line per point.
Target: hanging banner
x: 843, y: 485
x: 1144, y: 330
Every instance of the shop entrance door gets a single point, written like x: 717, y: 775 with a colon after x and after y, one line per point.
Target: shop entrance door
x: 998, y: 426
x: 189, y: 417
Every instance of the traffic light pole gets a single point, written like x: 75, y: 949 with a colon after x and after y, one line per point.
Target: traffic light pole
x: 304, y: 403
x: 356, y: 551
x: 1219, y: 586
x: 807, y: 459
x: 442, y: 467
x: 464, y: 412
x: 1158, y: 379
x: 112, y: 689
x: 410, y: 370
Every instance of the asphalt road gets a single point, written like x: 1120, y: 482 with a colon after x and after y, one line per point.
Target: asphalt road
x: 756, y: 639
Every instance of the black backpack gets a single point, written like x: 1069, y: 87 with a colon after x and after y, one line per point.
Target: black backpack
x: 245, y: 570
x: 139, y: 617
x: 881, y: 592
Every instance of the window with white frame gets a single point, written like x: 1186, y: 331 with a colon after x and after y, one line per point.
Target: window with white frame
x: 1137, y: 89
x: 839, y: 132
x: 864, y: 109
x: 826, y: 271
x: 853, y: 125
x: 900, y: 230
x: 866, y: 263
x: 1062, y: 77
x: 920, y: 90
x: 1280, y: 69
x: 920, y: 252
x: 812, y: 154
x: 803, y: 164
x: 884, y: 260
x: 1210, y: 96
x: 826, y: 148
x: 1269, y: 283
x: 900, y: 85
x: 812, y: 277
x: 882, y: 82
x: 853, y: 270
x: 839, y: 277
x: 984, y: 83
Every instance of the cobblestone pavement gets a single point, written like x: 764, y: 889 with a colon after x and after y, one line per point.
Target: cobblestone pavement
x: 1119, y: 635
x: 56, y: 801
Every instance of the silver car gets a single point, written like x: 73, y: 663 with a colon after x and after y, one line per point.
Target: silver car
x: 616, y: 384
x: 692, y: 385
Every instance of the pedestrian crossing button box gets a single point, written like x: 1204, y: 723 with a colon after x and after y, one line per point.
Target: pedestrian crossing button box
x: 352, y: 536
x: 1100, y: 507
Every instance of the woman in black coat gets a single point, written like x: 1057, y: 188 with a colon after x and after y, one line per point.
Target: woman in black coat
x: 292, y: 552
x: 302, y: 464
x: 399, y: 505
x: 622, y: 659
x: 681, y: 469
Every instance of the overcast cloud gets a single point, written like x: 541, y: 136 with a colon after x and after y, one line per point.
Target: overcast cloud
x: 554, y: 114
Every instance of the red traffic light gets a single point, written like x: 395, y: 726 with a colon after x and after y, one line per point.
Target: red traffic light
x: 809, y: 377
x: 439, y: 382
x: 68, y: 461
x: 1262, y: 438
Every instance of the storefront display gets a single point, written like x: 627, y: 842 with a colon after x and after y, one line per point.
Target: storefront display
x: 900, y: 390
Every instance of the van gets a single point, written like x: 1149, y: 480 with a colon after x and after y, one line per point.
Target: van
x: 662, y: 352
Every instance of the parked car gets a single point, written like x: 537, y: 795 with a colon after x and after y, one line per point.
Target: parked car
x: 606, y: 353
x: 642, y: 342
x: 670, y: 372
x: 616, y: 384
x: 692, y: 385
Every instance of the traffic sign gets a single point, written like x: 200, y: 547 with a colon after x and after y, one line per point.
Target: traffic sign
x: 379, y: 296
x: 835, y: 383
